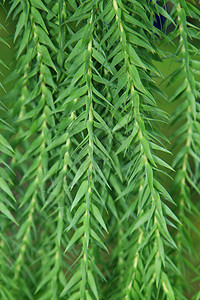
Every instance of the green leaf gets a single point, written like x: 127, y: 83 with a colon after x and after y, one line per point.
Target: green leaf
x: 92, y: 284
x: 98, y: 216
x: 38, y: 18
x: 163, y: 191
x: 39, y: 4
x: 29, y: 192
x: 13, y: 6
x: 78, y: 233
x: 162, y: 163
x: 149, y: 174
x: 139, y: 42
x: 46, y: 58
x: 51, y: 171
x: 147, y: 150
x: 6, y: 189
x: 81, y: 209
x: 110, y: 31
x: 170, y: 213
x: 4, y: 142
x: 47, y: 76
x: 112, y: 207
x: 136, y: 78
x: 122, y: 122
x: 96, y: 237
x: 141, y: 220
x: 99, y: 171
x: 20, y: 25
x: 101, y: 59
x: 126, y: 144
x: 179, y: 91
x: 160, y: 248
x: 157, y: 269
x: 78, y: 75
x: 80, y: 171
x: 24, y: 41
x: 43, y: 282
x: 58, y: 141
x: 102, y: 148
x: 167, y: 286
x: 102, y: 122
x: 135, y: 58
x: 3, y: 64
x: 164, y: 13
x: 96, y: 92
x: 6, y: 212
x: 75, y: 278
x: 75, y: 296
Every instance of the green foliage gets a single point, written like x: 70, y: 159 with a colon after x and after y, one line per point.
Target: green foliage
x: 93, y: 216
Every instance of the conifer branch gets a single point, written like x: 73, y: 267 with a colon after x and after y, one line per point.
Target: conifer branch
x: 185, y: 181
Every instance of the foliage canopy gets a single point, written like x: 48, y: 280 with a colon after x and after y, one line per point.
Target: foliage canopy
x: 85, y: 209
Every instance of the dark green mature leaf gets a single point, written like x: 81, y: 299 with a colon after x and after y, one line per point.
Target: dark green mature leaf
x: 39, y: 4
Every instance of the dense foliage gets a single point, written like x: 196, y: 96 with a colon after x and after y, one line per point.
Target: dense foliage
x: 86, y: 211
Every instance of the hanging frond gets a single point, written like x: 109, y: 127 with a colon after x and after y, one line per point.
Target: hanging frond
x: 186, y: 161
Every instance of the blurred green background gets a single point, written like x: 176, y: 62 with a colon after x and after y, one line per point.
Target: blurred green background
x: 6, y: 52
